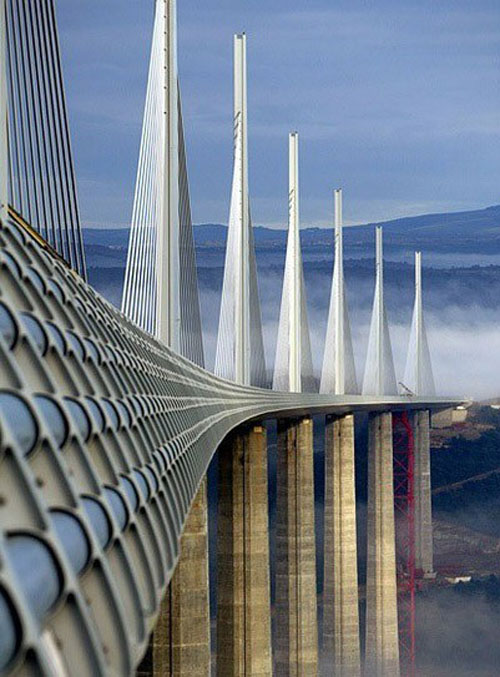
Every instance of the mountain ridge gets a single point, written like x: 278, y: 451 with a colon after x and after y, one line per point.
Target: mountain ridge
x: 449, y: 231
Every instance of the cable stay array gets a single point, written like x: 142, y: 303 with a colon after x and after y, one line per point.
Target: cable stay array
x: 41, y: 177
x: 161, y: 276
x: 240, y: 347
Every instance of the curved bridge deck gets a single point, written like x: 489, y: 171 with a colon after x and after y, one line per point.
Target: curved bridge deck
x: 105, y: 436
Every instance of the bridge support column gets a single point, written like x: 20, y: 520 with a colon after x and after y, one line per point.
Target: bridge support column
x: 296, y: 598
x: 243, y: 585
x: 341, y: 650
x: 382, y: 641
x: 424, y: 558
x: 180, y: 645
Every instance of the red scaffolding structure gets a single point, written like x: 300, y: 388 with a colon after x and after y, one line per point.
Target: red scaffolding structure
x: 404, y: 504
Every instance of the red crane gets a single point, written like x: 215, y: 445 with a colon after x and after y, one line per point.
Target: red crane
x: 404, y: 506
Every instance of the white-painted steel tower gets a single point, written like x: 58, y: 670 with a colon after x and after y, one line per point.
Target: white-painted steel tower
x: 240, y: 349
x: 380, y: 377
x: 293, y: 368
x: 338, y: 375
x: 418, y: 376
x: 161, y: 289
x: 168, y: 319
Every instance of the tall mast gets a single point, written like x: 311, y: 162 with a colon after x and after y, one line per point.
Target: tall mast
x: 339, y: 290
x: 338, y: 375
x: 242, y: 348
x: 295, y: 320
x: 168, y: 318
x: 379, y: 287
x: 380, y: 377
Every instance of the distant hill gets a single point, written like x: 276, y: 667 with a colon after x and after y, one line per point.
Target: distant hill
x: 472, y: 232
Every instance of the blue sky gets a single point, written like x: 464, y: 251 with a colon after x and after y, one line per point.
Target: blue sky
x: 397, y: 101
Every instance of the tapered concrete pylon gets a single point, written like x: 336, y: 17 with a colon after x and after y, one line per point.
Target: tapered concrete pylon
x: 296, y: 641
x: 340, y: 590
x: 180, y: 644
x: 240, y: 348
x: 382, y: 640
x: 243, y: 586
x: 380, y: 377
x: 338, y: 375
x: 293, y: 369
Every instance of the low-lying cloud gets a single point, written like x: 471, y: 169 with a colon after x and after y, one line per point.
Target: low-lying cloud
x: 464, y: 341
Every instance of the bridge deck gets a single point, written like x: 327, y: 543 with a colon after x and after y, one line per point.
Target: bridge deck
x: 105, y: 436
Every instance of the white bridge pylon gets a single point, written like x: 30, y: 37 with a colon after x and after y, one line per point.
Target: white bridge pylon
x: 161, y: 288
x: 240, y: 349
x: 418, y: 376
x: 293, y: 368
x: 380, y: 376
x: 339, y: 372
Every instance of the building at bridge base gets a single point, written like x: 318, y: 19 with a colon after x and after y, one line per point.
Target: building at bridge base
x: 341, y: 646
x: 382, y: 640
x: 180, y: 644
x: 424, y: 555
x: 296, y: 648
x: 243, y: 580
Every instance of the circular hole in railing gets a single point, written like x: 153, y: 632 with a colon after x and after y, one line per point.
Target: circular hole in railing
x: 76, y: 345
x: 10, y: 631
x: 98, y: 519
x: 124, y: 413
x: 152, y: 478
x: 96, y: 413
x: 57, y: 337
x: 118, y: 506
x: 142, y: 483
x: 37, y: 572
x: 56, y: 290
x: 36, y: 279
x: 18, y: 417
x: 112, y: 414
x: 36, y: 331
x: 73, y: 539
x: 79, y: 416
x: 92, y: 350
x: 130, y: 491
x: 53, y: 417
x: 11, y: 263
x: 8, y: 328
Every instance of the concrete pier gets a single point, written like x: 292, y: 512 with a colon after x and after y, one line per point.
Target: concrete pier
x: 180, y: 644
x: 341, y: 651
x: 382, y: 642
x: 243, y: 585
x: 296, y: 599
x: 424, y: 557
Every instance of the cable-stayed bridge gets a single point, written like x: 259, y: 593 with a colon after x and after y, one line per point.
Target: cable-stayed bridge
x: 108, y: 420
